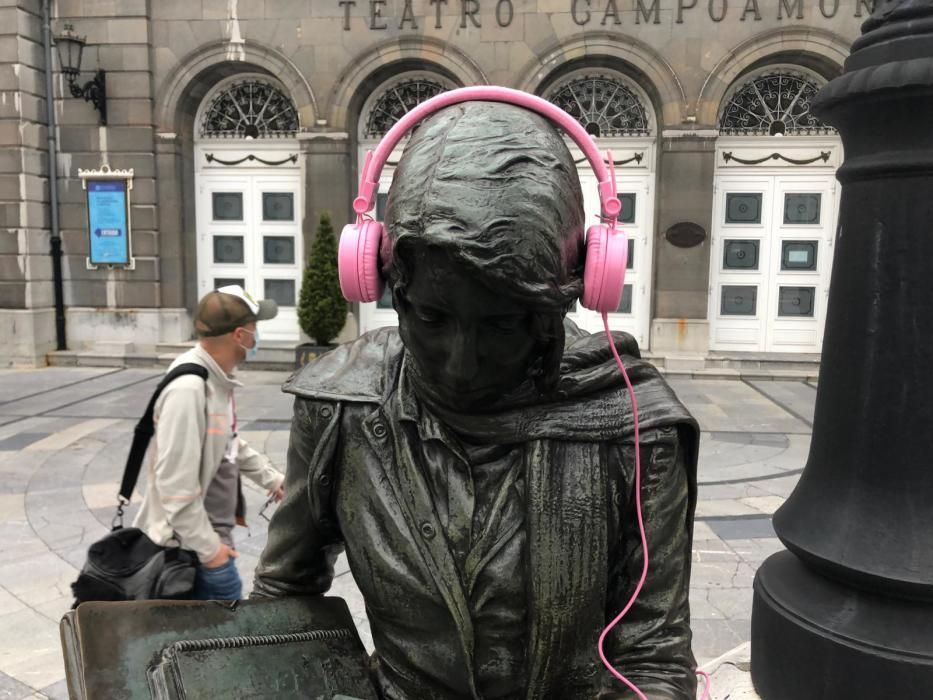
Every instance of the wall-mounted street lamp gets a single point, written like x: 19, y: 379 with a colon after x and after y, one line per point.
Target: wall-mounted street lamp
x: 70, y: 47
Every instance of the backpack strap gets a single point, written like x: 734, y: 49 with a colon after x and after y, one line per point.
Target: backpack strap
x: 144, y: 432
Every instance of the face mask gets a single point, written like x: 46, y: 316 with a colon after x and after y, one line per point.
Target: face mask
x: 253, y: 351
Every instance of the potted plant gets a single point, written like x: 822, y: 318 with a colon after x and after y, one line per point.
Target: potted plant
x: 322, y: 309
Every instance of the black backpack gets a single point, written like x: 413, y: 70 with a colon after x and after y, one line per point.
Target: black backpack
x: 126, y: 564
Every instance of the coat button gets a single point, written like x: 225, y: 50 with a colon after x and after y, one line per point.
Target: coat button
x: 327, y: 412
x: 428, y: 531
x: 324, y: 479
x: 379, y: 430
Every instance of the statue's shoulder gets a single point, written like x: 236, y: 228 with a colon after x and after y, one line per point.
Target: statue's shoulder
x: 361, y: 370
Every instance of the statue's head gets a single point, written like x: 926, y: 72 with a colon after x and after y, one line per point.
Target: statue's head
x: 483, y: 251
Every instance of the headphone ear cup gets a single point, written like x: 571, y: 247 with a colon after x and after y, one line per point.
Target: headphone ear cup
x: 604, y: 268
x: 358, y: 262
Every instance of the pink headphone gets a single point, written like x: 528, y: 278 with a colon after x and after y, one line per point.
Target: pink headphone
x: 606, y: 246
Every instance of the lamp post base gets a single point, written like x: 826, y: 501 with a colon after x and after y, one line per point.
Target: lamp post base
x: 815, y: 639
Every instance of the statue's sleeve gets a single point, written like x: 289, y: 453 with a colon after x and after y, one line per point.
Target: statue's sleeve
x: 304, y: 541
x: 651, y: 645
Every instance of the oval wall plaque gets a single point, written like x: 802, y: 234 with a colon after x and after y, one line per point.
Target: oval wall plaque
x: 685, y: 234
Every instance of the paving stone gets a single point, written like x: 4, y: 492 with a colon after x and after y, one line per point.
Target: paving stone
x: 55, y: 609
x: 755, y: 551
x: 730, y: 676
x: 702, y: 531
x: 12, y: 689
x: 30, y: 649
x: 56, y: 691
x: 724, y: 405
x: 54, y: 400
x: 723, y: 507
x: 126, y: 401
x: 46, y: 577
x: 268, y: 425
x: 35, y: 424
x: 18, y: 542
x: 712, y: 637
x: 734, y: 491
x: 732, y: 603
x: 780, y: 487
x: 701, y: 608
x: 20, y: 383
x: 750, y: 528
x: 9, y: 603
x: 714, y: 550
x: 264, y: 403
x: 12, y: 507
x: 764, y: 504
x: 68, y: 436
x: 724, y: 574
x: 21, y: 440
x: 798, y: 398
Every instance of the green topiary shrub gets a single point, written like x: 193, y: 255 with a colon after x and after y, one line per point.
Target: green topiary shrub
x: 322, y: 310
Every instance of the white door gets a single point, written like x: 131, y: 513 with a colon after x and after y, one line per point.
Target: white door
x: 249, y: 233
x: 772, y: 258
x: 633, y: 314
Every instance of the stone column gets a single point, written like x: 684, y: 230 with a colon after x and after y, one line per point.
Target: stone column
x: 685, y: 184
x: 27, y: 313
x: 329, y: 186
x: 327, y: 174
x: 174, y: 320
x: 847, y: 613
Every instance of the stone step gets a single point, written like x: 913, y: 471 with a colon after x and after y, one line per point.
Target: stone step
x: 271, y: 356
x: 718, y: 365
x: 269, y: 350
x: 280, y: 356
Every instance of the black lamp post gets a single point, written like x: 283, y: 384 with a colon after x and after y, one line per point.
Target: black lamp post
x: 70, y: 47
x: 847, y: 613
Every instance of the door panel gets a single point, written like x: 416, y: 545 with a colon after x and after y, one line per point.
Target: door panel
x: 249, y: 233
x: 741, y: 258
x: 772, y: 251
x: 801, y: 249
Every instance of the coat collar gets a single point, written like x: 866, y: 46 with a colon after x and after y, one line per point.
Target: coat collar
x: 591, y: 404
x: 217, y: 375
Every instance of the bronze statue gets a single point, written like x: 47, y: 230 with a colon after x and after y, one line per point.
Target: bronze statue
x: 477, y: 462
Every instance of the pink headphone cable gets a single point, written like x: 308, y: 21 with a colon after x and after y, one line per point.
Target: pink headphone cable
x: 641, y: 531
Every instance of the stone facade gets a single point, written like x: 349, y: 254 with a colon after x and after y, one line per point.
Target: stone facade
x: 162, y: 57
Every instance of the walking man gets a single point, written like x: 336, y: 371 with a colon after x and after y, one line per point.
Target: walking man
x: 193, y: 493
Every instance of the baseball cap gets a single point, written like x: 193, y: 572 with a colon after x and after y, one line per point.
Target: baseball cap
x: 227, y: 308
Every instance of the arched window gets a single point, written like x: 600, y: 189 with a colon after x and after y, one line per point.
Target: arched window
x: 250, y: 108
x: 773, y: 103
x: 604, y: 104
x: 396, y: 99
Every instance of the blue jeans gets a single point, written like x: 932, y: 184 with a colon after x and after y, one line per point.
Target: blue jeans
x: 220, y: 583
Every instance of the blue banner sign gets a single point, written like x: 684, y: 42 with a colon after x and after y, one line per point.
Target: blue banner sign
x: 108, y: 222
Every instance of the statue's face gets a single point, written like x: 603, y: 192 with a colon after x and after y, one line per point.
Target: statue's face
x: 470, y: 344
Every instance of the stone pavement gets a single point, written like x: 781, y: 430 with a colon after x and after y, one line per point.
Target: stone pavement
x: 64, y: 434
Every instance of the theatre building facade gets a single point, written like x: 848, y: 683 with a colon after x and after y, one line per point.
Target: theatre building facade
x: 237, y: 123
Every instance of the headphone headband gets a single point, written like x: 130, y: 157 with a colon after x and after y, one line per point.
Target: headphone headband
x: 375, y: 160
